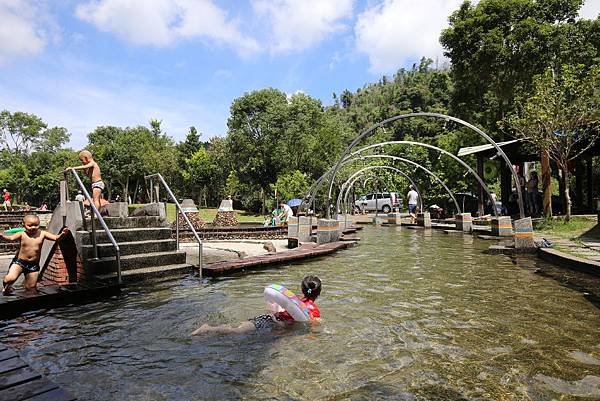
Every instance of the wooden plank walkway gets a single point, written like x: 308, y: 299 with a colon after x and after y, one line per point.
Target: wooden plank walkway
x: 19, y: 382
x: 305, y: 251
x: 51, y: 295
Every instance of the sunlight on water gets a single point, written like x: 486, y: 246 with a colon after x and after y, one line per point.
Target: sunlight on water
x: 409, y: 315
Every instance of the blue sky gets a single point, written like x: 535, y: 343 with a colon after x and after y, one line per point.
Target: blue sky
x: 80, y: 64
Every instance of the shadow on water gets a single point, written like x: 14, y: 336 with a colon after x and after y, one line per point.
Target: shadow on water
x: 588, y: 285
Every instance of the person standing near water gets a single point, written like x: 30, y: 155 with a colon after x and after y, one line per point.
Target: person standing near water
x: 412, y: 197
x: 27, y: 260
x: 92, y: 170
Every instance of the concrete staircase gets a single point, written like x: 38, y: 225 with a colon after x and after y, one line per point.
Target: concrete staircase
x: 147, y: 250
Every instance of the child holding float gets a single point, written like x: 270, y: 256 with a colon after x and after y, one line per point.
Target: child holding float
x: 286, y: 308
x: 27, y: 260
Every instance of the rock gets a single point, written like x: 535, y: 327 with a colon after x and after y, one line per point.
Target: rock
x: 151, y: 209
x: 194, y: 218
x: 269, y: 247
x: 225, y: 219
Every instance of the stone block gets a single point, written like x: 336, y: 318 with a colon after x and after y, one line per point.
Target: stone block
x: 117, y: 209
x: 151, y: 209
x: 424, y: 219
x: 299, y: 229
x: 188, y: 206
x: 226, y: 205
x: 463, y: 222
x: 343, y: 220
x: 393, y: 219
x: 502, y: 226
x: 328, y: 230
x: 524, y: 233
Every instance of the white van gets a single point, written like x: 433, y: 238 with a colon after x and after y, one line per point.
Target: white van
x: 383, y: 201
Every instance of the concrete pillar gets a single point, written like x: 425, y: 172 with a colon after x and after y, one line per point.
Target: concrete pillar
x: 292, y: 233
x: 327, y: 231
x: 298, y: 231
x: 464, y: 222
x: 343, y: 221
x: 524, y: 233
x: 424, y: 219
x: 502, y: 226
x: 117, y: 209
x: 393, y: 219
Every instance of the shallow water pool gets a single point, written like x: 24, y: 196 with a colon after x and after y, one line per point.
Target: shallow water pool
x: 409, y: 315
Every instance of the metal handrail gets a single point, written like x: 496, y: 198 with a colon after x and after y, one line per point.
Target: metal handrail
x: 102, y: 223
x: 179, y: 210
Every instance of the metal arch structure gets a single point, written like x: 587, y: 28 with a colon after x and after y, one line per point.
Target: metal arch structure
x: 431, y: 115
x: 426, y: 145
x: 310, y: 195
x: 379, y: 179
x: 345, y: 184
x: 403, y: 160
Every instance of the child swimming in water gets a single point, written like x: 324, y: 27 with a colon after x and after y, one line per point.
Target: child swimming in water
x: 311, y: 288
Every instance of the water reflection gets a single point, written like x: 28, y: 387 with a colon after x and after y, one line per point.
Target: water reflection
x: 409, y: 315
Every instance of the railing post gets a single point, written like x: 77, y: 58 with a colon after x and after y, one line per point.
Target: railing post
x: 200, y: 258
x: 94, y: 244
x: 63, y: 201
x: 176, y: 226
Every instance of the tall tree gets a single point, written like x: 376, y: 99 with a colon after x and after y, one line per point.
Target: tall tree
x: 497, y: 46
x: 22, y: 133
x: 561, y: 115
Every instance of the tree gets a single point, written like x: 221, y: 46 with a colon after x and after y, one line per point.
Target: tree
x: 256, y: 127
x: 290, y: 185
x: 497, y: 46
x: 125, y: 155
x: 201, y: 171
x: 560, y: 115
x: 21, y: 133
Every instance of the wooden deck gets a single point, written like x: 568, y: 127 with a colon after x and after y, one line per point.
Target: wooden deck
x: 305, y: 251
x: 19, y: 382
x: 48, y: 296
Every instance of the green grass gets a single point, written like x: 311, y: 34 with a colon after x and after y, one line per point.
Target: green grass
x: 577, y: 227
x: 208, y: 214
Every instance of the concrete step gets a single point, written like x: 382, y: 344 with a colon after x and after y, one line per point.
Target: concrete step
x: 130, y: 248
x: 130, y: 262
x: 132, y: 222
x: 148, y: 273
x: 127, y: 235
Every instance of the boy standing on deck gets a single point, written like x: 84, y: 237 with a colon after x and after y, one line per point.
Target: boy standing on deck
x: 92, y: 170
x: 27, y: 260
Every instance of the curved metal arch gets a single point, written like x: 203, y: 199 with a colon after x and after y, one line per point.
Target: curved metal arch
x: 433, y: 115
x: 367, y: 177
x: 343, y: 187
x: 401, y: 159
x: 426, y: 145
x: 310, y: 195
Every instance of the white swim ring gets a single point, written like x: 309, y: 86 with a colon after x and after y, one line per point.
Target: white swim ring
x: 289, y: 301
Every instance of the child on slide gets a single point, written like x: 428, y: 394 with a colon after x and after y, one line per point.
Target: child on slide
x: 311, y: 288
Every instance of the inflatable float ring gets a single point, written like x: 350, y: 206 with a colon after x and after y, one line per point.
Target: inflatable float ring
x: 14, y: 230
x: 289, y: 301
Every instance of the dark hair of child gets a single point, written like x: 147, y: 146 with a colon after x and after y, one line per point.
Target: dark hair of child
x: 311, y: 287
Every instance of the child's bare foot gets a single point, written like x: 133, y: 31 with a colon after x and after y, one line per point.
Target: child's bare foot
x: 205, y: 328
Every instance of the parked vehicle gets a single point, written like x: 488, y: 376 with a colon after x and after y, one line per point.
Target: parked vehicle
x: 383, y: 201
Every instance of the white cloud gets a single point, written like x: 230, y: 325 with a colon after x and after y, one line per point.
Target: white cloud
x: 299, y: 24
x: 397, y: 31
x: 24, y: 29
x: 81, y: 105
x: 162, y: 22
x: 590, y: 9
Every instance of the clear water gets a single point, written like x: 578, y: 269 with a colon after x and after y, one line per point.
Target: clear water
x: 409, y: 315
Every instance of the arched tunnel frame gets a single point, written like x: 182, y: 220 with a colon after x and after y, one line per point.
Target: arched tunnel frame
x: 445, y: 117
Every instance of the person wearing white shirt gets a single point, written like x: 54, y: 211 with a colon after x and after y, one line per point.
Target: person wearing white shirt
x: 412, y: 198
x: 286, y: 213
